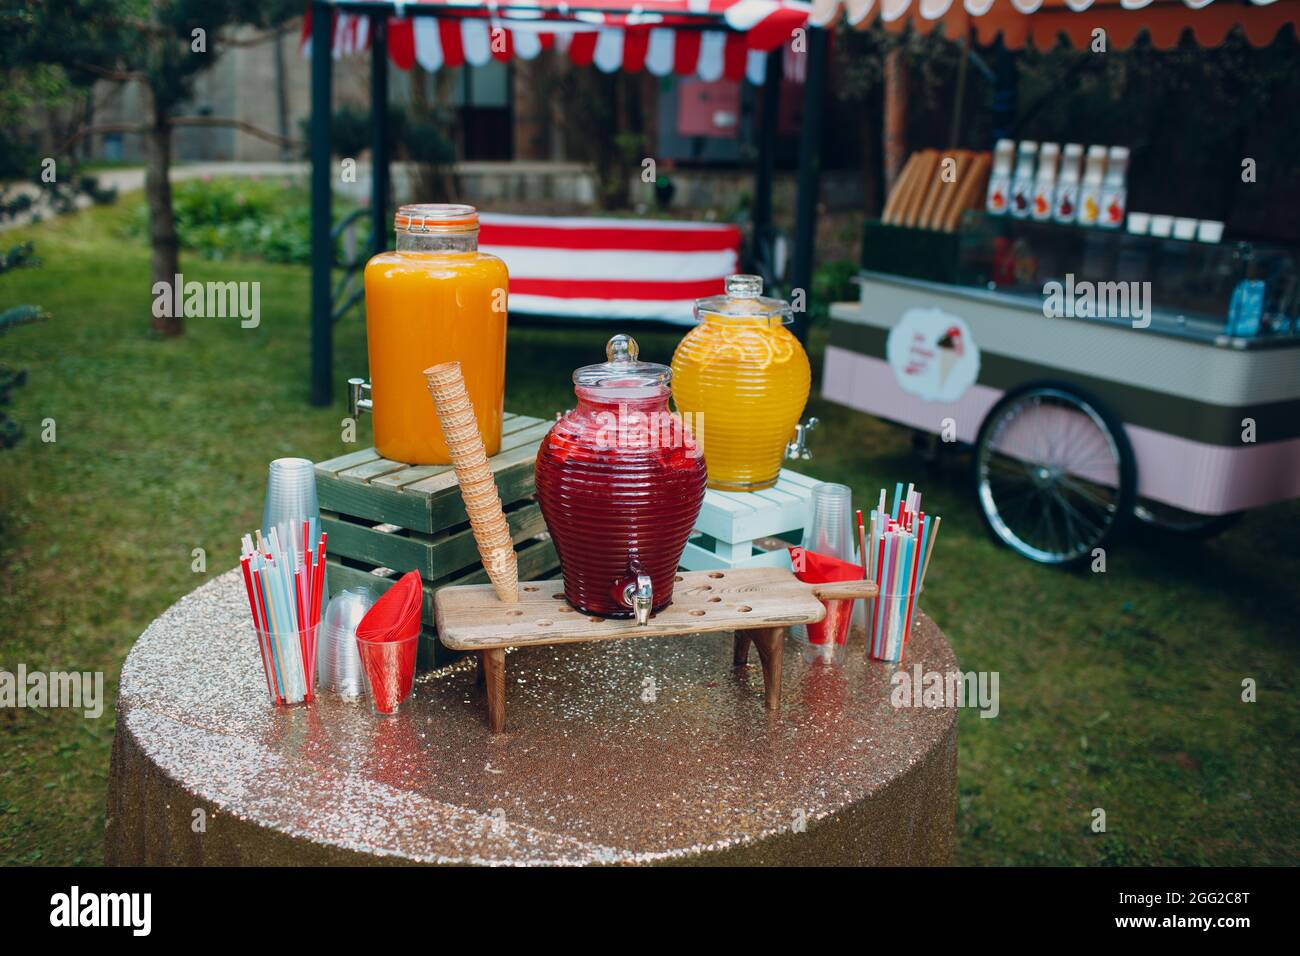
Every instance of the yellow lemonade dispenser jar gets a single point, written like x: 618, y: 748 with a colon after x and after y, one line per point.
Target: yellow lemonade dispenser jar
x: 435, y: 299
x: 742, y: 379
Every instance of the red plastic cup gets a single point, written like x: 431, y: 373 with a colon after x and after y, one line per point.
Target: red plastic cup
x: 827, y: 637
x: 389, y: 667
x: 834, y: 627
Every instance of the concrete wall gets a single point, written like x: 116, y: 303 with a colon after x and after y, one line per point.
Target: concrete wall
x: 243, y: 84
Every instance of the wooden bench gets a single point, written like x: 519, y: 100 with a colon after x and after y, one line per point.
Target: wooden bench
x: 757, y: 604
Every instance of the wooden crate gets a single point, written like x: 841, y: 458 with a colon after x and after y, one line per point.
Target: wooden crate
x: 733, y: 524
x: 385, y: 518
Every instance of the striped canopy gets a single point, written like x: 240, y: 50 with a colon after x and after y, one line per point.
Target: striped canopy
x: 711, y: 39
x: 1041, y: 22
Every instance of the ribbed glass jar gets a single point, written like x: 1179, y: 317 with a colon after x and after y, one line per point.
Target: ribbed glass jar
x: 435, y: 299
x: 742, y: 381
x: 620, y: 484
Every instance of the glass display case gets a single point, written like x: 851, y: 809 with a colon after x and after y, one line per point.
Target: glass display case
x: 1192, y: 284
x: 1181, y: 407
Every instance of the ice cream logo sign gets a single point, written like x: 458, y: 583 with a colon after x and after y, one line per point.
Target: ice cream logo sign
x: 933, y: 355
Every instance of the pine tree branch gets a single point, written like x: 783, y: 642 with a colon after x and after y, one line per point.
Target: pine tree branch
x: 231, y: 123
x: 202, y: 121
x: 97, y: 129
x: 120, y: 76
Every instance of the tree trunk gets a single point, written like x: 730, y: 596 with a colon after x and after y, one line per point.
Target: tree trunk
x: 895, y: 135
x: 162, y: 219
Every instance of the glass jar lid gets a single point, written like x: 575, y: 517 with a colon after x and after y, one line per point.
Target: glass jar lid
x: 743, y: 299
x: 623, y: 370
x: 435, y: 217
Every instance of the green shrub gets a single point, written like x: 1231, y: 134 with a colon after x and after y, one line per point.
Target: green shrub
x: 245, y: 218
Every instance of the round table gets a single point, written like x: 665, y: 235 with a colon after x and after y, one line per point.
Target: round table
x: 656, y: 750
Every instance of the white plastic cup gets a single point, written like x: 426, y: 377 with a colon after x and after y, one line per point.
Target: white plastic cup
x: 291, y: 500
x: 1185, y: 229
x: 338, y: 665
x: 1162, y: 227
x: 1139, y: 223
x: 829, y: 530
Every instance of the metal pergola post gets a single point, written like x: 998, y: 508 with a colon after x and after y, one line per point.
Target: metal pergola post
x: 810, y: 137
x: 322, y: 242
x: 379, y: 218
x: 767, y: 134
x: 322, y: 251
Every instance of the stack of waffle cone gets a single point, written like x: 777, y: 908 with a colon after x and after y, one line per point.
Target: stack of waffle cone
x: 477, y: 487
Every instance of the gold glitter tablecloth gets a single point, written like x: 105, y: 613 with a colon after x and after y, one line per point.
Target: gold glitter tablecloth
x: 654, y: 750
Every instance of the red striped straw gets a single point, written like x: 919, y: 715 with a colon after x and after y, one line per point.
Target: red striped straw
x: 263, y: 623
x: 880, y: 601
x: 318, y: 590
x: 298, y: 596
x: 252, y: 607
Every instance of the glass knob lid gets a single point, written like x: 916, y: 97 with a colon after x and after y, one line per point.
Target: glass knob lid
x: 743, y: 298
x: 743, y: 287
x: 622, y: 369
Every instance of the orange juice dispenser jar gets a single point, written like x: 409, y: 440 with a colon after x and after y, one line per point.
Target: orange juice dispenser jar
x: 435, y: 299
x: 741, y: 379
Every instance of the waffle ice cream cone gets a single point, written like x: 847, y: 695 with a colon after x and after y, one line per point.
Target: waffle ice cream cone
x: 947, y: 359
x: 473, y: 474
x: 950, y: 349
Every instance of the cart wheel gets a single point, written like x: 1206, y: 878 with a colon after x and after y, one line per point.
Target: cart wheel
x: 1054, y: 473
x: 1187, y: 523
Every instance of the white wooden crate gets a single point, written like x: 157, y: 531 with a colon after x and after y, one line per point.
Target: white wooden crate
x: 731, y: 521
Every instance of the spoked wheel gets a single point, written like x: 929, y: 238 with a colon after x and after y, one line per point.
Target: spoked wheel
x: 1177, y: 521
x: 1054, y: 473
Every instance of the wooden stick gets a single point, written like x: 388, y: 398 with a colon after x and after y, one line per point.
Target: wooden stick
x: 967, y: 196
x: 895, y: 197
x: 935, y: 192
x: 912, y: 207
x: 845, y: 590
x: 948, y: 194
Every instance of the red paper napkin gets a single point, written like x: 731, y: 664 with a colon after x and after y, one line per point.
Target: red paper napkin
x: 823, y: 569
x: 396, y: 615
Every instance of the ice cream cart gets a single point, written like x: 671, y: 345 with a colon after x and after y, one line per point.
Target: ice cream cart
x: 1083, y: 409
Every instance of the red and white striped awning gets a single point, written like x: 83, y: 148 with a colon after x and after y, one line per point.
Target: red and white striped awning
x: 711, y: 39
x: 1041, y: 22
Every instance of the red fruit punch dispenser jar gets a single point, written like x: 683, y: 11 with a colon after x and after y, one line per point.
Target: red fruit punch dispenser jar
x: 620, y: 483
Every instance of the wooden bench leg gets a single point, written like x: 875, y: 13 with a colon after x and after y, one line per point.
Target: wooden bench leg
x: 770, y: 642
x: 740, y: 652
x: 494, y: 680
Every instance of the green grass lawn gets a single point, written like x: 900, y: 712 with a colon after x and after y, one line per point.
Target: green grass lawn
x: 1118, y: 690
